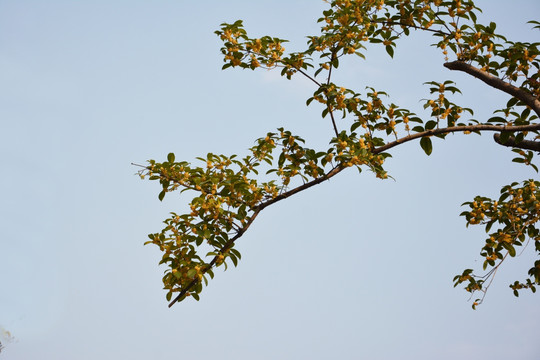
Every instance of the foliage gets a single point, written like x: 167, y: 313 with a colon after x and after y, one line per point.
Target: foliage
x: 230, y: 192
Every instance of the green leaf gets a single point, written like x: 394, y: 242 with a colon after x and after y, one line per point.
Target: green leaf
x: 390, y: 50
x: 510, y: 248
x: 497, y: 119
x: 170, y: 157
x: 505, y: 135
x: 431, y: 124
x: 236, y: 253
x: 234, y: 259
x: 426, y: 145
x: 525, y: 113
x: 513, y: 101
x: 356, y: 125
x: 161, y: 195
x: 489, y: 225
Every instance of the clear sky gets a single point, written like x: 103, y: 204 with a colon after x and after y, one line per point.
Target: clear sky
x: 355, y: 268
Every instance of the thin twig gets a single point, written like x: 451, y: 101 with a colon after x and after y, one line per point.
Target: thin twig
x: 309, y: 77
x: 333, y: 120
x: 411, y: 26
x: 328, y: 83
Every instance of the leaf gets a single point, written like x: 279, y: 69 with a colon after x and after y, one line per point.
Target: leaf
x: 324, y: 112
x: 513, y: 101
x: 356, y: 125
x: 489, y: 225
x: 525, y: 114
x: 510, y: 248
x: 161, y: 195
x: 497, y: 119
x: 535, y: 23
x: 431, y: 124
x: 505, y: 135
x: 390, y: 50
x: 234, y: 259
x: 170, y: 157
x: 236, y: 253
x: 426, y: 145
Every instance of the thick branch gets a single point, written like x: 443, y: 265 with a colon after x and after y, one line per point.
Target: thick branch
x: 453, y: 129
x: 523, y: 144
x: 497, y: 83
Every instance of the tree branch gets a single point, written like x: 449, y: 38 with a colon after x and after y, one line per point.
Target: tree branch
x: 523, y: 144
x: 453, y: 129
x: 303, y: 187
x: 336, y: 170
x: 497, y: 83
x: 333, y: 56
x: 309, y: 77
x: 416, y: 27
x: 333, y: 120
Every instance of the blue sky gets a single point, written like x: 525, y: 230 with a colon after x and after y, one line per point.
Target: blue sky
x: 355, y: 268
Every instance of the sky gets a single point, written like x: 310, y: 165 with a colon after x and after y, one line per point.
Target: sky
x: 355, y: 268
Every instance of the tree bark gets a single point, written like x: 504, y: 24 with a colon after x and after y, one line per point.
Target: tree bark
x: 497, y: 83
x: 511, y: 142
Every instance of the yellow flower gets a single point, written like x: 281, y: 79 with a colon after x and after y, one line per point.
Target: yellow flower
x: 256, y: 46
x: 254, y: 62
